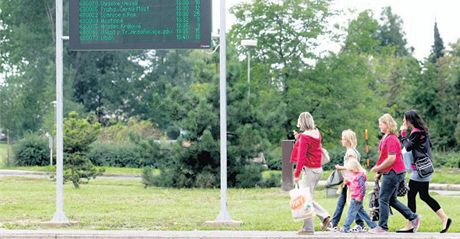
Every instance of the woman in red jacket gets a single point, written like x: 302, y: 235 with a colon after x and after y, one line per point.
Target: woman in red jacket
x: 307, y: 155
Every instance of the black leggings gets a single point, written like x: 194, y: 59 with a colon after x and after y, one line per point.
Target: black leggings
x: 422, y: 188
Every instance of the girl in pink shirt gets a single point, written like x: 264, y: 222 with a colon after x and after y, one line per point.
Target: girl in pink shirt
x: 356, y: 182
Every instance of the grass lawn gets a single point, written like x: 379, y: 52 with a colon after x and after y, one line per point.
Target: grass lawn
x: 117, y: 205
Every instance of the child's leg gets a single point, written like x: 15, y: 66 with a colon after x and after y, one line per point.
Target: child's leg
x: 351, y: 215
x: 339, y: 207
x: 365, y: 217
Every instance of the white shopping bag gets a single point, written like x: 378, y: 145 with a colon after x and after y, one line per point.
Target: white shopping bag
x: 301, y: 203
x: 408, y: 159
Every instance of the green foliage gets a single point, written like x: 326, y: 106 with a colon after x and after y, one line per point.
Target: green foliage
x: 138, y: 153
x: 103, y: 81
x: 250, y: 176
x: 446, y: 159
x: 271, y: 179
x: 148, y: 179
x: 173, y: 132
x: 273, y: 158
x: 391, y: 32
x: 134, y: 128
x: 27, y: 56
x: 437, y: 50
x: 373, y: 74
x: 115, y: 155
x: 78, y: 167
x: 362, y: 34
x: 32, y: 150
x: 282, y: 45
x: 436, y: 95
x: 78, y: 135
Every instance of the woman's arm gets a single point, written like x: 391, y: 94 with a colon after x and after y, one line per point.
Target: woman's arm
x: 388, y: 162
x: 409, y: 141
x: 301, y: 156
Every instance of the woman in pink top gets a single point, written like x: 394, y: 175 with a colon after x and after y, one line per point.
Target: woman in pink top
x: 307, y: 155
x: 391, y: 166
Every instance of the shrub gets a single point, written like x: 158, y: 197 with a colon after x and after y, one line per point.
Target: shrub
x: 115, y: 155
x: 271, y: 179
x: 81, y: 168
x: 446, y: 159
x: 274, y: 159
x: 162, y: 180
x: 206, y: 179
x: 124, y: 132
x: 78, y: 135
x: 173, y: 132
x: 32, y: 150
x: 249, y: 176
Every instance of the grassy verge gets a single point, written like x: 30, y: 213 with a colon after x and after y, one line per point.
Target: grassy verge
x: 125, y: 204
x: 442, y: 175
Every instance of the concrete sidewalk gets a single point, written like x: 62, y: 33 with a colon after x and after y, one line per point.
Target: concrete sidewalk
x: 74, y: 234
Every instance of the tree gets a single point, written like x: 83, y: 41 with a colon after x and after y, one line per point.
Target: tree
x: 287, y: 33
x: 78, y: 135
x: 437, y: 49
x: 391, y: 32
x: 105, y: 82
x: 362, y: 35
x: 25, y: 51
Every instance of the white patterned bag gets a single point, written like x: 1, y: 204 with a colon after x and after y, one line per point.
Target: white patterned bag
x: 301, y: 203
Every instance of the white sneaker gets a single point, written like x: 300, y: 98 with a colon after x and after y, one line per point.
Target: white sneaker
x: 358, y: 229
x: 416, y: 223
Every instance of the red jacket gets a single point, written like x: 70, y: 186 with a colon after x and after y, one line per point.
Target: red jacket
x: 306, y: 153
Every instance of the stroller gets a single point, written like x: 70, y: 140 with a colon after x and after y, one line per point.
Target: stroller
x: 374, y: 212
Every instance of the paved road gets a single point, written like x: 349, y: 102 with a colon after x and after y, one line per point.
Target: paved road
x: 74, y: 234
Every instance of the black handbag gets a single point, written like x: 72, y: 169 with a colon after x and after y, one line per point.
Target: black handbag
x: 402, y: 189
x: 424, y: 167
x: 423, y: 162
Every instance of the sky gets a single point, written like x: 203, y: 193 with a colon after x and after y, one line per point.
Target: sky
x: 418, y: 19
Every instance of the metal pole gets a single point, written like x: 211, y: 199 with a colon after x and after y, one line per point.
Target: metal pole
x: 51, y: 156
x: 59, y: 216
x: 223, y: 216
x: 8, y: 147
x: 249, y: 75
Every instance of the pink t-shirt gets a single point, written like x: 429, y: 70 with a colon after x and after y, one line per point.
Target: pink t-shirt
x: 391, y: 145
x: 356, y: 183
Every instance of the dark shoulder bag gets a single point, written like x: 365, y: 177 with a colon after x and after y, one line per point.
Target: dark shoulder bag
x: 424, y: 165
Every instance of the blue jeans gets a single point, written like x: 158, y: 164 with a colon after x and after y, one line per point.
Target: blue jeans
x: 339, y: 209
x: 387, y: 198
x: 356, y: 209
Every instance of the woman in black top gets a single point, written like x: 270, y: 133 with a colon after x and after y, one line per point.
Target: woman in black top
x: 419, y: 143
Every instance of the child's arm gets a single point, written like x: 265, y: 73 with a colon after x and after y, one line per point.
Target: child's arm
x: 339, y: 167
x: 362, y: 188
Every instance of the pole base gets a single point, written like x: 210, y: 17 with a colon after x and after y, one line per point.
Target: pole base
x: 55, y: 224
x: 218, y: 223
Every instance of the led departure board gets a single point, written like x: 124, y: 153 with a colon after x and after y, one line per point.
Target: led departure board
x: 139, y: 24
